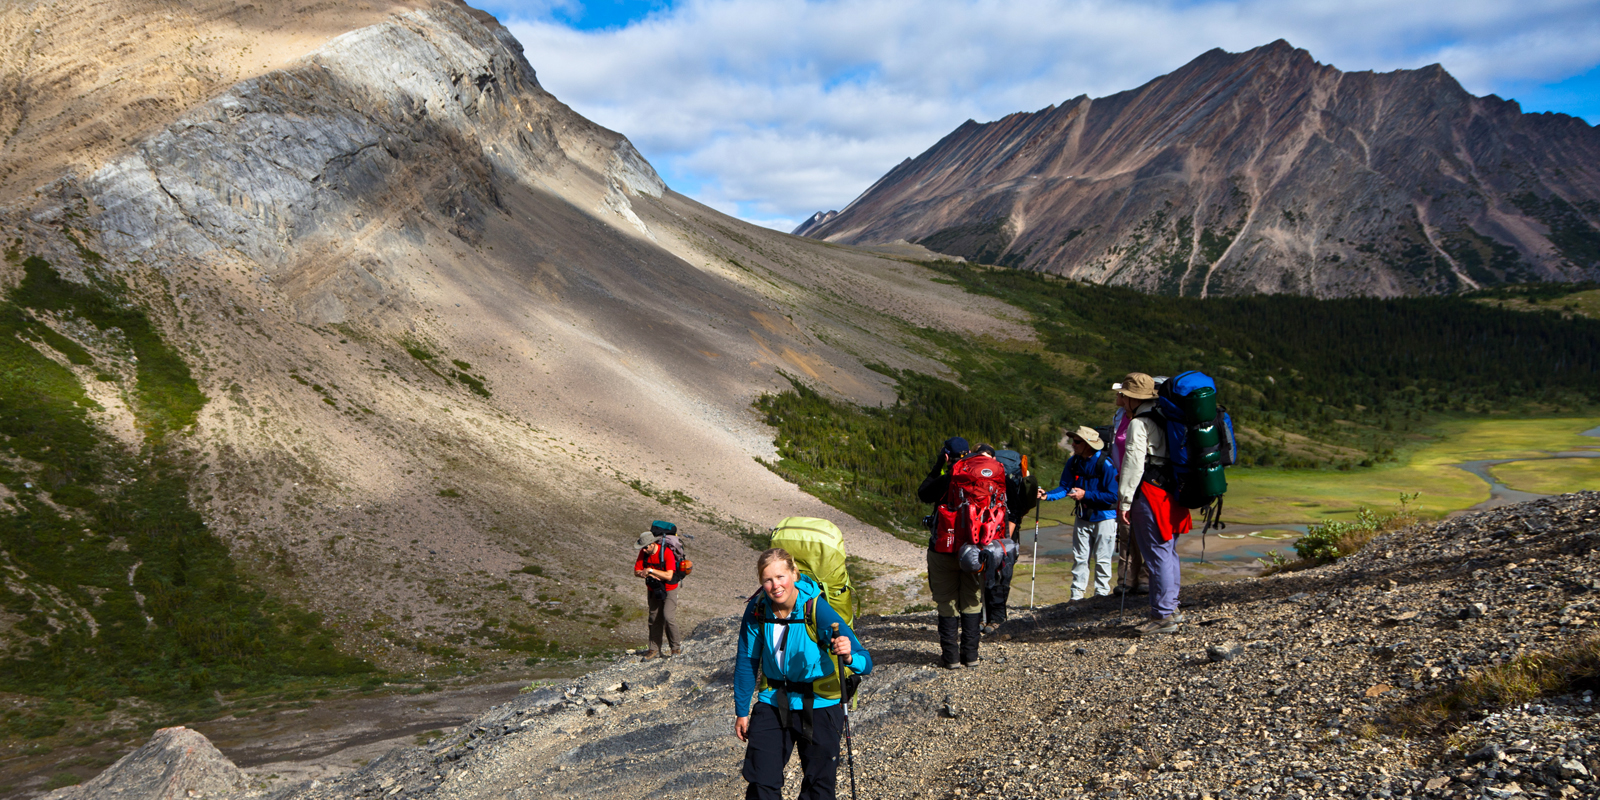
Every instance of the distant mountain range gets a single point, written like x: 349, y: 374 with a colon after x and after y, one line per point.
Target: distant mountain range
x: 1262, y: 171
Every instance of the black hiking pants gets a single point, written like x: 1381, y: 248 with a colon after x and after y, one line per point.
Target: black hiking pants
x: 769, y: 744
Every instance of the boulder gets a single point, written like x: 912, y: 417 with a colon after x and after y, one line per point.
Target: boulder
x: 176, y: 764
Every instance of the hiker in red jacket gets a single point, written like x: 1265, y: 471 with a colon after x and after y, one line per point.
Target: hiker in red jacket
x: 657, y: 564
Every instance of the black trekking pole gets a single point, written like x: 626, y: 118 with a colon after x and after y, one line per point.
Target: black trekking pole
x: 844, y: 700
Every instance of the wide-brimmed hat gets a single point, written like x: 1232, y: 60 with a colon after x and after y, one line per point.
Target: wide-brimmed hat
x: 1137, y: 385
x: 646, y: 539
x: 1089, y: 435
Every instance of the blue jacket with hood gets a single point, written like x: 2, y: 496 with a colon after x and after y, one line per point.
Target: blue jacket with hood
x: 1097, y: 477
x: 804, y: 660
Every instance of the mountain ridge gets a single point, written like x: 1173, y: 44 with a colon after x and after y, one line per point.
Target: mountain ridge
x: 455, y: 344
x: 1258, y: 171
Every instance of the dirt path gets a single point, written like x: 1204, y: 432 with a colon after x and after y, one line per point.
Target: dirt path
x: 334, y: 736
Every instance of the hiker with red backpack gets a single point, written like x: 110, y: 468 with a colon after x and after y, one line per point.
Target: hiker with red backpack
x: 1147, y: 500
x: 965, y: 528
x: 1021, y: 497
x: 660, y: 563
x: 807, y: 655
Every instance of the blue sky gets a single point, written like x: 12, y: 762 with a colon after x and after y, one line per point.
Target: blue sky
x: 773, y: 109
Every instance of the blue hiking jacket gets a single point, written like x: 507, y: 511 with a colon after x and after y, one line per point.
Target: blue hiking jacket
x: 1097, y: 477
x: 804, y: 659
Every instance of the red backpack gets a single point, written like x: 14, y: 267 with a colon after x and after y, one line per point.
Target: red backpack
x: 974, y: 507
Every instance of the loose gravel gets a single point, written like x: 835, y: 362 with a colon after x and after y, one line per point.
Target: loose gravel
x: 1284, y: 686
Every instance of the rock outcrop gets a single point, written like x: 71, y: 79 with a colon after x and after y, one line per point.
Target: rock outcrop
x: 176, y: 764
x: 1262, y: 171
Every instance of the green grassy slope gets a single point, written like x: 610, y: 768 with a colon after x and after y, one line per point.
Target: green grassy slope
x: 112, y: 584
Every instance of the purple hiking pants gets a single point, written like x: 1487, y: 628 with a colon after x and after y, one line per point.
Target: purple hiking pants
x: 1160, y: 557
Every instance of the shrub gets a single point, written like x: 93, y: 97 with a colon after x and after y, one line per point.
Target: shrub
x: 1330, y: 540
x: 61, y: 780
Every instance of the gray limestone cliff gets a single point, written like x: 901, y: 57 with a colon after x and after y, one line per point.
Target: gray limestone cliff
x: 429, y: 114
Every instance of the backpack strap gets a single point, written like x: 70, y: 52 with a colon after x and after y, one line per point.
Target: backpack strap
x: 1157, y: 471
x: 781, y: 687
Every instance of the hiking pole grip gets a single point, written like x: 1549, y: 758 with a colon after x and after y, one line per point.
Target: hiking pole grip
x: 838, y: 666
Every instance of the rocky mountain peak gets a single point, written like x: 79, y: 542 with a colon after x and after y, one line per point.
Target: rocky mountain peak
x: 1262, y: 171
x: 813, y: 221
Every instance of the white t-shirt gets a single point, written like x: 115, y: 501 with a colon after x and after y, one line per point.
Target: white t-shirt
x: 780, y: 635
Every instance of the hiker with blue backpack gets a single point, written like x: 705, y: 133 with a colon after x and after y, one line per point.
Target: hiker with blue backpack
x: 1176, y: 443
x: 807, y: 655
x: 1090, y: 478
x: 1147, y: 499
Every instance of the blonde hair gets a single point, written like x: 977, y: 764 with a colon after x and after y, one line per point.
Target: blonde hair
x: 771, y: 556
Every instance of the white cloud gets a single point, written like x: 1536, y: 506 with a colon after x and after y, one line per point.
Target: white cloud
x: 773, y: 109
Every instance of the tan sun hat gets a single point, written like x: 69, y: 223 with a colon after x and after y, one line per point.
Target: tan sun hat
x: 1089, y: 435
x: 1137, y: 385
x: 646, y: 539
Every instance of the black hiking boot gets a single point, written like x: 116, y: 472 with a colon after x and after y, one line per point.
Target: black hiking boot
x: 950, y: 641
x: 971, y: 632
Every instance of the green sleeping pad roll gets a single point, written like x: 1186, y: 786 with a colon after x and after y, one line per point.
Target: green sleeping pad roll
x: 1212, y: 480
x: 1201, y: 404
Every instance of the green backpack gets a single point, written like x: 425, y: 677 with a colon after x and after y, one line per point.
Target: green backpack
x: 818, y: 550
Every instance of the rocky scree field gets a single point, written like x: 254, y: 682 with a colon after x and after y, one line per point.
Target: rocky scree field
x: 1389, y: 673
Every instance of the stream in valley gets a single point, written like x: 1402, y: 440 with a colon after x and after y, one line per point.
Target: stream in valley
x: 1237, y: 547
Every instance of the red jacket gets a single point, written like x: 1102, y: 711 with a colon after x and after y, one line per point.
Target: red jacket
x: 664, y: 559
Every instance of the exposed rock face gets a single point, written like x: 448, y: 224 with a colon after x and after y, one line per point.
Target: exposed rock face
x: 176, y: 764
x: 448, y: 329
x: 277, y: 171
x: 1262, y: 171
x: 80, y: 80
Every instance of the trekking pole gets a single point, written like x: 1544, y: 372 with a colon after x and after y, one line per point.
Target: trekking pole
x: 844, y: 700
x: 1123, y: 560
x: 1034, y: 578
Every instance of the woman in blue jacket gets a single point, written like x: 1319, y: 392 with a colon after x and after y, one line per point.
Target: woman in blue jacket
x: 1090, y: 478
x: 788, y: 630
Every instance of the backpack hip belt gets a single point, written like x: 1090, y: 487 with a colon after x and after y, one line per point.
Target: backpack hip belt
x: 780, y: 696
